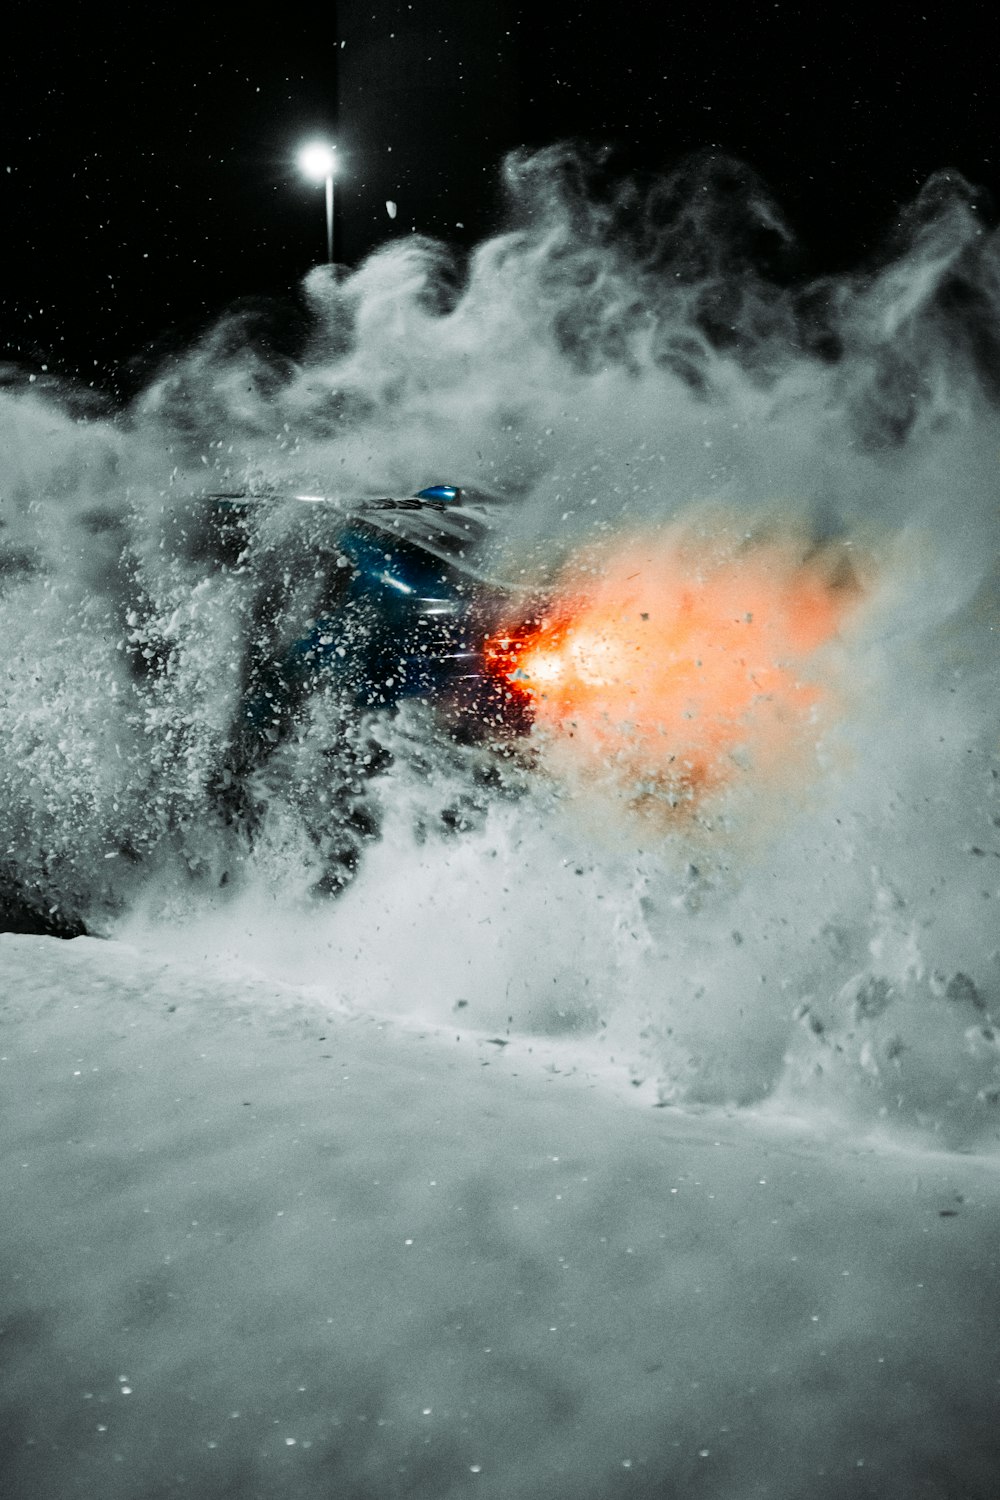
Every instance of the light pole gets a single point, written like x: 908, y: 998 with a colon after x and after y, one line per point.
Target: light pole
x: 319, y: 162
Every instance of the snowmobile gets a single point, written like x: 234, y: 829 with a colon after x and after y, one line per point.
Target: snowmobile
x: 383, y: 602
x: 404, y: 611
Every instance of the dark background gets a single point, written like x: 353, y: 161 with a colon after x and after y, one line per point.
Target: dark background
x: 150, y: 175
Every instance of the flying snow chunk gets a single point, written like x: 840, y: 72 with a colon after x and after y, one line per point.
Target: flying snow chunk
x: 390, y: 208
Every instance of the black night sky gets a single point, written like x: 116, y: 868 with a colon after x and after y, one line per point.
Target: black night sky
x: 150, y: 180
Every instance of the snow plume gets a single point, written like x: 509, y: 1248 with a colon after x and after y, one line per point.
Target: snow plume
x: 628, y: 365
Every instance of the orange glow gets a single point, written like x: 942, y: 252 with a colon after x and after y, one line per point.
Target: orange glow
x: 669, y: 665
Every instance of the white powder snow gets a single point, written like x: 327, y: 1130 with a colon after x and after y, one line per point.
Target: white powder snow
x: 565, y: 1157
x: 252, y: 1248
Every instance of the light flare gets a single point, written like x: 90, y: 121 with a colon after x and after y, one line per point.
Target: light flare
x: 667, y: 666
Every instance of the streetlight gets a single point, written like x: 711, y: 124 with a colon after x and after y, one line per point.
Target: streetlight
x: 319, y: 162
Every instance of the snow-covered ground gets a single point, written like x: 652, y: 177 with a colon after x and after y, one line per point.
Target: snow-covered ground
x: 255, y: 1248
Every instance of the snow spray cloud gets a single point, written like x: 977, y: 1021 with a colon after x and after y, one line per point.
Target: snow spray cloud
x: 639, y: 374
x: 670, y: 666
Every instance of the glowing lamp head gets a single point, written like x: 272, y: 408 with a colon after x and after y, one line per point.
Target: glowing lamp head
x: 318, y: 160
